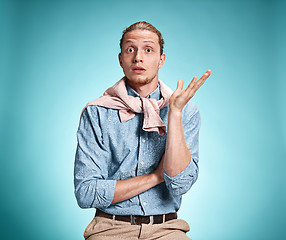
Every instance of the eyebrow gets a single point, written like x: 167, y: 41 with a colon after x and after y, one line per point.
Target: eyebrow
x: 146, y: 41
x: 149, y: 41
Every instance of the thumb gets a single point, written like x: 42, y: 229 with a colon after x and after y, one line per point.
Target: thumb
x: 180, y: 85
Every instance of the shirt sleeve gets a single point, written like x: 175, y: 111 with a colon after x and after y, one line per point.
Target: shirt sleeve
x: 93, y: 189
x: 182, y: 182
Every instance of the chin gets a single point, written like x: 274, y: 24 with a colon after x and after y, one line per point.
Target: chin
x: 139, y: 80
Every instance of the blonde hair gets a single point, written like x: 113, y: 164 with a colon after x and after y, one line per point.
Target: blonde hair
x: 144, y: 26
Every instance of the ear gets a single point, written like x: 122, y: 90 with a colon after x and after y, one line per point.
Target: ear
x: 162, y: 60
x: 119, y: 58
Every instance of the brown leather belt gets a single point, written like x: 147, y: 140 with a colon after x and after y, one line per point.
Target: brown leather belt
x: 138, y: 220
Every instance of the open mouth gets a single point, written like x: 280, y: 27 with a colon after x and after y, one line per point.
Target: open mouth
x: 138, y: 69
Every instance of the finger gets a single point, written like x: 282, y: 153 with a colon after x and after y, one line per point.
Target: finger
x: 201, y: 81
x: 189, y: 88
x: 209, y: 72
x: 205, y: 76
x: 180, y: 85
x: 193, y: 89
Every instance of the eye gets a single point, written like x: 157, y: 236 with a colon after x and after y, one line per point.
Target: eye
x: 130, y: 49
x: 148, y: 50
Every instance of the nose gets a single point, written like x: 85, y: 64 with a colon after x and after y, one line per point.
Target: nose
x: 138, y: 57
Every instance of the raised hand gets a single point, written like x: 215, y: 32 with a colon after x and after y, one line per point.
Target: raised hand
x: 180, y: 97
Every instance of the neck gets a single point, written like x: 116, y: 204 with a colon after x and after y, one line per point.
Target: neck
x: 146, y: 89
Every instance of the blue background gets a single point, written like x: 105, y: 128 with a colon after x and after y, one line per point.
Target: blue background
x: 58, y: 55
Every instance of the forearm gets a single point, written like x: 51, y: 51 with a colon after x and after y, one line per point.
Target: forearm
x: 177, y: 155
x: 128, y: 188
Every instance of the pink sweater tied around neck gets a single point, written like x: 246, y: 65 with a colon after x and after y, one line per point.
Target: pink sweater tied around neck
x: 116, y: 97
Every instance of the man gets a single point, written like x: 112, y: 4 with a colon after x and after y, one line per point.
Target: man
x: 137, y: 148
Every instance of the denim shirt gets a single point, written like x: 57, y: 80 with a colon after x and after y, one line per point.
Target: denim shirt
x: 109, y: 150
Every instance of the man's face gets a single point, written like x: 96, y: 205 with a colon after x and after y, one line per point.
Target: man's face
x: 140, y: 58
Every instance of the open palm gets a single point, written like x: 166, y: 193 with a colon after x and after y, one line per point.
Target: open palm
x: 181, y: 96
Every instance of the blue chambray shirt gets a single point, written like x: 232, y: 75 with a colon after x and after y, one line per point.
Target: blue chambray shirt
x: 109, y: 150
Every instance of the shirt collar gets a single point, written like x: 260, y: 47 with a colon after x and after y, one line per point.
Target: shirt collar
x: 156, y: 94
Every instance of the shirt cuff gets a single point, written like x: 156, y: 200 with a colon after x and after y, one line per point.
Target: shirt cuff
x: 183, y: 181
x: 105, y: 193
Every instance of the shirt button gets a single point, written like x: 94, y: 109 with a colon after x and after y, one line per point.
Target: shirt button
x: 143, y: 140
x: 144, y: 203
x: 142, y: 163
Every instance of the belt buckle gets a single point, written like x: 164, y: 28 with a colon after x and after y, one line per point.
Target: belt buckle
x: 133, y: 222
x: 151, y: 218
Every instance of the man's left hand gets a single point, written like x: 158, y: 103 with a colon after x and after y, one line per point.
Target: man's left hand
x: 180, y: 97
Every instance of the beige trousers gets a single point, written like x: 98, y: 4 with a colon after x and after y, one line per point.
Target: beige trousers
x: 101, y: 228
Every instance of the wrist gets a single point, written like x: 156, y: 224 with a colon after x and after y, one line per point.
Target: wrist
x: 156, y: 178
x: 175, y: 112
